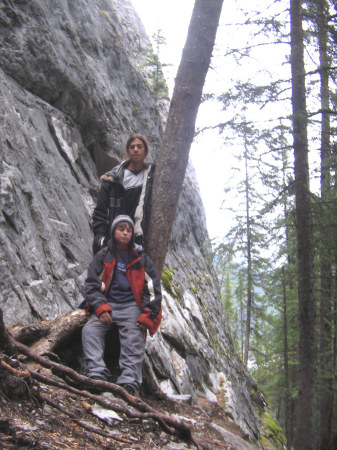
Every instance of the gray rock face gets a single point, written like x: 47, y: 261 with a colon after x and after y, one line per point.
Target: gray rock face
x: 72, y: 89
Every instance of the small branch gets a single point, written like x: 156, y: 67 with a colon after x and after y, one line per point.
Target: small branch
x: 21, y: 373
x: 91, y: 428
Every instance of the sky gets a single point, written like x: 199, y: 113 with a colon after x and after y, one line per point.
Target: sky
x: 212, y: 160
x: 173, y: 18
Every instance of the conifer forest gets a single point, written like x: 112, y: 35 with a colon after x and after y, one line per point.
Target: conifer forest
x: 277, y: 264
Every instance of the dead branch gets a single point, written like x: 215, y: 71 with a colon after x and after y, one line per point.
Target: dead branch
x: 108, y: 404
x: 58, y: 331
x: 91, y: 428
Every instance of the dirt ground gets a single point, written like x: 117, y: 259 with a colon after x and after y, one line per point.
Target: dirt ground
x: 47, y: 403
x: 37, y: 415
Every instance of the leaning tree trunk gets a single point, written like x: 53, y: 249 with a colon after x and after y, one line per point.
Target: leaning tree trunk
x: 173, y: 154
x: 306, y: 429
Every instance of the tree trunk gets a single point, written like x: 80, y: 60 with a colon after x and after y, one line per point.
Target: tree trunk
x: 325, y: 341
x: 287, y: 283
x: 306, y: 426
x: 249, y: 267
x: 333, y: 431
x: 173, y: 154
x: 285, y: 360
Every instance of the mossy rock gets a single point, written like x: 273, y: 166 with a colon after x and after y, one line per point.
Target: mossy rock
x: 274, y: 434
x: 166, y: 278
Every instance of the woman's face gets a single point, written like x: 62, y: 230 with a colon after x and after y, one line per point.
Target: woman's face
x: 136, y: 151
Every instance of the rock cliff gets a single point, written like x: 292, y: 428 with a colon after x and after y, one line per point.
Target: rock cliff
x: 73, y: 87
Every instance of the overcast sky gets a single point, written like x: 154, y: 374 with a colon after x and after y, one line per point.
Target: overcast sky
x: 211, y: 158
x: 173, y: 18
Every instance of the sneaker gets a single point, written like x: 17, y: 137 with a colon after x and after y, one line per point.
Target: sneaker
x: 111, y: 378
x: 129, y: 389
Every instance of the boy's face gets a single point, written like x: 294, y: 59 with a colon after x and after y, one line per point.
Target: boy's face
x: 123, y: 233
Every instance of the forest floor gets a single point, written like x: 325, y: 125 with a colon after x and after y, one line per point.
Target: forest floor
x: 34, y: 414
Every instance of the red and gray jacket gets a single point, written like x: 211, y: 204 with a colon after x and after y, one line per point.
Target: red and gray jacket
x: 143, y: 279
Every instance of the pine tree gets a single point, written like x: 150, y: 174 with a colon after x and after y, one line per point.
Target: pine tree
x: 158, y: 82
x: 306, y: 419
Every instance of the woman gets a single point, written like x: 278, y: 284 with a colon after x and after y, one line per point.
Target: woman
x: 126, y: 189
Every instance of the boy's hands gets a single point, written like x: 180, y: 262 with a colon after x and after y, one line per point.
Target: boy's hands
x: 105, y: 318
x: 141, y: 326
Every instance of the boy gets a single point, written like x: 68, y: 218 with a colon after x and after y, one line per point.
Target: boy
x: 122, y: 288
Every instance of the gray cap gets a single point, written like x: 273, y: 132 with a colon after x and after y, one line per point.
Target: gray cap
x: 119, y: 219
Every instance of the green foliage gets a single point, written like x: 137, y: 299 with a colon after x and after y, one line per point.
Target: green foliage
x: 274, y: 433
x: 166, y: 278
x: 168, y: 283
x: 261, y: 220
x: 227, y: 270
x: 158, y: 83
x: 257, y: 122
x: 194, y: 289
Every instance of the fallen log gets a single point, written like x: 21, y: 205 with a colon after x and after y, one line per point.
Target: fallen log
x: 55, y: 333
x: 44, y: 337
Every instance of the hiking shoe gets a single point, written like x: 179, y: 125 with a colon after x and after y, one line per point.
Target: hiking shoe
x: 129, y: 389
x: 111, y: 378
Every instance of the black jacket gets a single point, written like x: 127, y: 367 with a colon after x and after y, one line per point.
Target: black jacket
x: 111, y: 203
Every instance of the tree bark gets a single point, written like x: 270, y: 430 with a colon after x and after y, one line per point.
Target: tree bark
x: 6, y: 345
x: 306, y: 426
x: 249, y: 267
x: 173, y: 154
x: 325, y: 340
x: 287, y: 284
x: 46, y: 336
x: 285, y: 359
x: 333, y: 430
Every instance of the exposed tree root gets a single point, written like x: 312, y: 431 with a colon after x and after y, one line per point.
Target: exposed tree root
x: 169, y: 424
x: 35, y: 374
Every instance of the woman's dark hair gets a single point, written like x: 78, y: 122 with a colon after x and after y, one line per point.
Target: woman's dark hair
x: 137, y: 136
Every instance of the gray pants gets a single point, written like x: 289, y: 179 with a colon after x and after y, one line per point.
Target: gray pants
x: 132, y: 344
